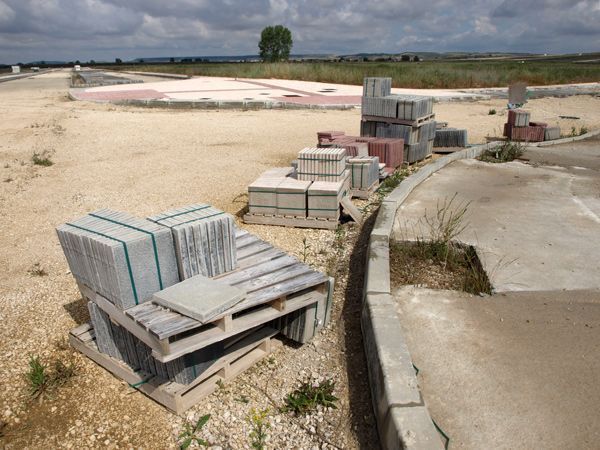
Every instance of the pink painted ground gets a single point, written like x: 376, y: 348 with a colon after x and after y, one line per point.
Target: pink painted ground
x: 140, y: 94
x: 322, y: 100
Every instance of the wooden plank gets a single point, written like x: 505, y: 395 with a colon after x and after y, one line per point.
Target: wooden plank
x: 175, y: 396
x: 242, y: 323
x: 352, y: 210
x: 253, y: 249
x: 265, y: 255
x: 414, y: 123
x: 246, y: 240
x: 258, y: 270
x: 293, y: 222
x: 275, y: 277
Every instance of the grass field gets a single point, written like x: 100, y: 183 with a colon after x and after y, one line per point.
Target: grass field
x: 458, y: 74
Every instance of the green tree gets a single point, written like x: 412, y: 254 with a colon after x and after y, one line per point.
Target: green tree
x: 275, y: 43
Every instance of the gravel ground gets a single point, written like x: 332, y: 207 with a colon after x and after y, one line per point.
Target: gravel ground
x: 145, y: 161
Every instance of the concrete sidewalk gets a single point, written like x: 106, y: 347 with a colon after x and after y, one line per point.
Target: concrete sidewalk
x: 511, y: 371
x: 535, y: 227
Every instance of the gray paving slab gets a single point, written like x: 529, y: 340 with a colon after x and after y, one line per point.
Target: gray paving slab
x: 199, y: 297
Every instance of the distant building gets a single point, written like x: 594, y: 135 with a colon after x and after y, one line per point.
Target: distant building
x: 16, y: 69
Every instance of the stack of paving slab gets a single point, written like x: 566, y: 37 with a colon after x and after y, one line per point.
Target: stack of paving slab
x: 123, y: 258
x: 322, y: 164
x: 450, y: 137
x: 406, y: 117
x: 519, y: 128
x: 324, y: 198
x: 390, y: 151
x: 131, y: 269
x: 204, y: 239
x: 364, y: 172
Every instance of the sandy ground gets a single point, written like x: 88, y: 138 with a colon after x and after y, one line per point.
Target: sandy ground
x: 144, y: 161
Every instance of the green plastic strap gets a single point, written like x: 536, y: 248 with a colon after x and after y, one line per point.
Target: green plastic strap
x: 322, y: 209
x: 323, y: 173
x: 160, y: 282
x: 416, y: 369
x: 291, y: 193
x: 322, y: 195
x: 316, y: 318
x: 261, y: 206
x: 138, y: 384
x: 135, y: 296
x: 182, y: 213
x: 329, y: 295
x: 194, y: 220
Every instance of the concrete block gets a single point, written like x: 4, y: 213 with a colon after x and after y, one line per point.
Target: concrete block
x: 292, y: 197
x: 262, y: 194
x: 384, y: 223
x: 391, y: 373
x: 410, y: 429
x: 324, y: 199
x: 377, y: 278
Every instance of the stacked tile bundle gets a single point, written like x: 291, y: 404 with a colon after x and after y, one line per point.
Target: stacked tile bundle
x: 519, y: 128
x: 364, y: 171
x: 450, y: 137
x: 389, y: 151
x: 291, y: 197
x: 324, y: 136
x: 551, y: 133
x: 406, y: 117
x: 119, y: 343
x: 322, y: 164
x: 377, y: 87
x: 204, y: 239
x: 403, y: 107
x: 323, y: 199
x: 352, y: 146
x: 123, y: 258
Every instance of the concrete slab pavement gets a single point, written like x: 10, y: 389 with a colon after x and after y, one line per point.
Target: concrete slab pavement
x: 535, y: 227
x: 515, y: 370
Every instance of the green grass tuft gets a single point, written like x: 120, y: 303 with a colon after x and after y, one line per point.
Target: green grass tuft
x: 41, y: 159
x: 508, y: 151
x: 306, y: 398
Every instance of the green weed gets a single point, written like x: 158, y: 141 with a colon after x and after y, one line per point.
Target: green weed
x: 41, y: 159
x: 42, y: 380
x: 491, y: 112
x: 260, y: 425
x: 37, y: 270
x: 189, y: 435
x: 507, y: 151
x: 306, y: 398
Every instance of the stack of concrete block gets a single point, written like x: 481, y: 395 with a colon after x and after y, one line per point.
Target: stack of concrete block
x: 519, y: 128
x: 324, y: 199
x: 377, y: 87
x: 204, y: 239
x: 418, y: 152
x: 322, y: 164
x: 389, y: 151
x: 262, y: 195
x: 450, y: 137
x: 408, y: 133
x: 292, y: 197
x: 551, y: 133
x: 403, y: 107
x: 364, y: 171
x: 123, y: 258
x: 15, y: 69
x: 119, y: 343
x: 353, y: 148
x: 327, y: 136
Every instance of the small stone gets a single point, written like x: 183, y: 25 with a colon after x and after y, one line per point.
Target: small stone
x: 53, y: 409
x: 78, y: 423
x: 106, y: 442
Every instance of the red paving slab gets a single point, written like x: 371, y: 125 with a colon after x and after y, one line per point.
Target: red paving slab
x: 140, y: 94
x: 322, y: 99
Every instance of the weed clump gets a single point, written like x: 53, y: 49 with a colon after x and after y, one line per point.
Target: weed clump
x: 508, y: 151
x: 42, y: 380
x: 491, y: 112
x: 259, y: 424
x: 37, y: 270
x: 189, y: 435
x: 306, y: 398
x: 41, y: 159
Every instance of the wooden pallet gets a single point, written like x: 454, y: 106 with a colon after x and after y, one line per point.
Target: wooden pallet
x: 276, y: 284
x: 177, y: 397
x: 413, y: 123
x: 291, y: 221
x: 364, y: 193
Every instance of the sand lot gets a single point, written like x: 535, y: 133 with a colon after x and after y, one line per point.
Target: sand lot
x: 144, y: 161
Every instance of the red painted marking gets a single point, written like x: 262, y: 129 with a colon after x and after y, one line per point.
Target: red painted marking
x: 141, y: 94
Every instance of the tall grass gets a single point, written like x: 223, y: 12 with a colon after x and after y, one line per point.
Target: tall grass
x: 427, y: 74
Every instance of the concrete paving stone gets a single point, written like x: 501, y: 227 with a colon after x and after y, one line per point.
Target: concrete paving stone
x: 110, y: 252
x: 204, y: 239
x: 199, y: 297
x: 292, y: 197
x: 518, y: 117
x: 321, y: 164
x: 450, y: 137
x: 324, y: 198
x: 378, y: 265
x: 364, y: 171
x: 262, y: 194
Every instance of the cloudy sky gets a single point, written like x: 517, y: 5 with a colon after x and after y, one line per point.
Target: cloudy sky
x: 106, y: 29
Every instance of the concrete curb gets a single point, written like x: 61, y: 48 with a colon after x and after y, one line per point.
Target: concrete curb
x: 174, y: 76
x: 565, y: 140
x: 402, y: 417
